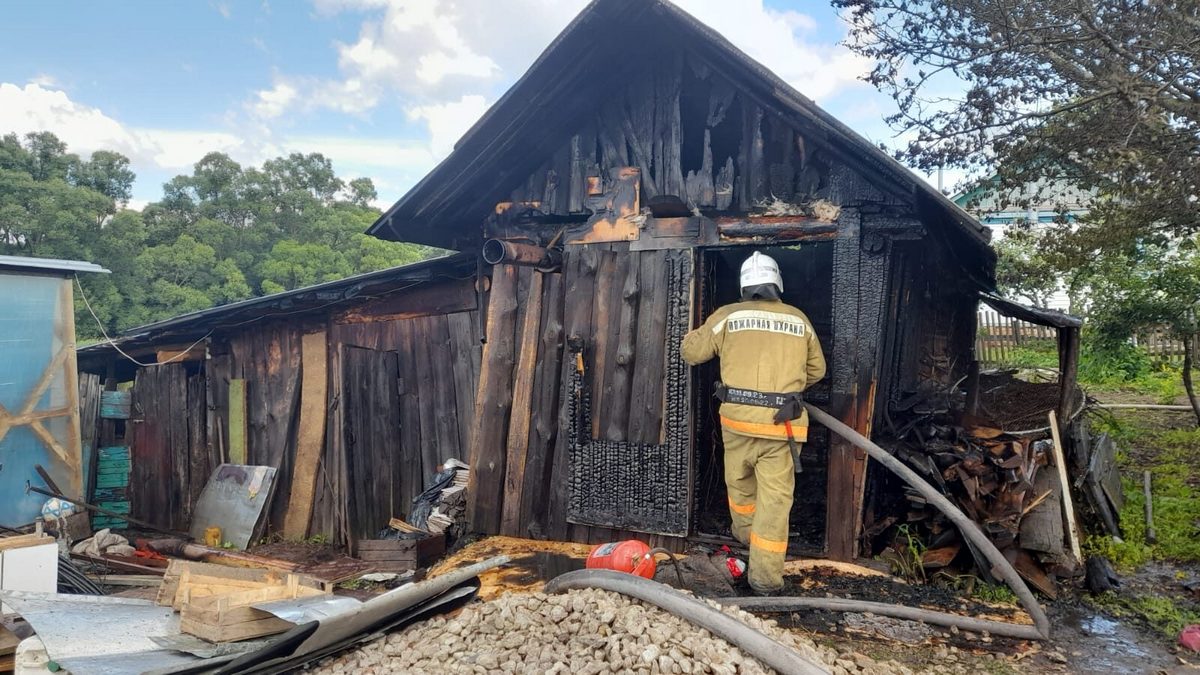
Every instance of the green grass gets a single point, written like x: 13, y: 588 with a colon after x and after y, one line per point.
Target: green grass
x: 1160, y: 613
x: 997, y: 594
x: 1034, y: 354
x: 1175, y: 470
x: 1128, y: 369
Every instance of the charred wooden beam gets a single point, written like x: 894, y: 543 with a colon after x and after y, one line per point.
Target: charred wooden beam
x: 428, y: 300
x: 775, y: 228
x: 860, y: 295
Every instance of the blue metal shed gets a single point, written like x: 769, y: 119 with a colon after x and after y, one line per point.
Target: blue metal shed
x: 39, y: 385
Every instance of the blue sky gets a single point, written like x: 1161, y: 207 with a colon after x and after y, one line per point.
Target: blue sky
x: 382, y: 87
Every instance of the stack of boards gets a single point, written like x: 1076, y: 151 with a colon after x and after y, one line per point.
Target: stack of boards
x: 8, y: 649
x: 215, y: 602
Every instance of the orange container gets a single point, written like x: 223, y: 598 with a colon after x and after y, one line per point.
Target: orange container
x: 630, y: 556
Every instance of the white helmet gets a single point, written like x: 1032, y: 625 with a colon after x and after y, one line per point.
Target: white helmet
x: 761, y: 269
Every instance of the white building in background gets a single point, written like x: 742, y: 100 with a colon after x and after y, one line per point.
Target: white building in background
x: 1039, y: 202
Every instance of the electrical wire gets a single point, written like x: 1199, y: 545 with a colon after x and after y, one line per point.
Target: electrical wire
x: 112, y: 343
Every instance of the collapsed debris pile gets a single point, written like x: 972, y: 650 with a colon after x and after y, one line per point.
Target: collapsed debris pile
x: 997, y: 466
x: 581, y: 631
x: 444, y: 504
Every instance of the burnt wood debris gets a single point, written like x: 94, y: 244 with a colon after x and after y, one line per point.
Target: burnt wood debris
x: 613, y: 199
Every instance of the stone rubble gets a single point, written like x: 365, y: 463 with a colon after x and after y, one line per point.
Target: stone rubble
x: 582, y: 632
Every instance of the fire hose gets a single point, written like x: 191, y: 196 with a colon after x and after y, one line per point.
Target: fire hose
x: 1040, y: 630
x: 774, y: 654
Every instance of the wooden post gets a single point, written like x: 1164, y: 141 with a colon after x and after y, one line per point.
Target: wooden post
x: 971, y: 408
x: 493, y: 403
x: 1151, y: 535
x: 310, y: 436
x: 860, y: 281
x: 237, y: 421
x: 1068, y: 369
x: 71, y: 386
x: 1068, y: 504
x: 522, y: 411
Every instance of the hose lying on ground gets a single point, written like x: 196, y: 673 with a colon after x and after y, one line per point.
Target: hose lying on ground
x: 783, y: 659
x: 998, y: 628
x: 1000, y: 565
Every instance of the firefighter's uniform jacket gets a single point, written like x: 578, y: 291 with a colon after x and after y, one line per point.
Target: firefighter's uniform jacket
x: 767, y: 346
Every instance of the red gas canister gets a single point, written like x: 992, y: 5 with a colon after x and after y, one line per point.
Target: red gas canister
x: 631, y: 556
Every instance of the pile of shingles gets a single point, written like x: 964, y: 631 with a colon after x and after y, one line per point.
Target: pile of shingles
x: 1000, y: 479
x: 444, y: 504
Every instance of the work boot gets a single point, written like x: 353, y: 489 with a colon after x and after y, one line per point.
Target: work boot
x: 765, y: 593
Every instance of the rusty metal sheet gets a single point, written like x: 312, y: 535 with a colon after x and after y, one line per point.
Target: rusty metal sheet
x: 234, y: 500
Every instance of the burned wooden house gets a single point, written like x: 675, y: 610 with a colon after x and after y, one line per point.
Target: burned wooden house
x: 616, y: 198
x: 600, y: 209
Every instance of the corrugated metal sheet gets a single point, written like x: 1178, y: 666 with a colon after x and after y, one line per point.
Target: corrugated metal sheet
x: 293, y: 304
x: 15, y: 263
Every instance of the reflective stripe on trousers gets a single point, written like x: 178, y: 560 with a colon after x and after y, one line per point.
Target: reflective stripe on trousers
x: 761, y: 483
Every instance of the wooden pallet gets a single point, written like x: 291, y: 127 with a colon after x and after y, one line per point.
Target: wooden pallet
x: 214, y: 601
x: 229, y: 617
x: 401, y: 555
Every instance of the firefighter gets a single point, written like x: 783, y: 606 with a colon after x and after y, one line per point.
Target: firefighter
x: 769, y: 355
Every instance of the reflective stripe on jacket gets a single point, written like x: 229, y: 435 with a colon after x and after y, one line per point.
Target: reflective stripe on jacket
x: 764, y: 345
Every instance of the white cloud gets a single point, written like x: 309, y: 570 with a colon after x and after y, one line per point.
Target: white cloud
x: 365, y: 152
x: 447, y: 122
x: 786, y: 42
x: 437, y: 57
x: 45, y: 80
x: 271, y: 103
x: 38, y: 108
x: 85, y: 129
x: 159, y: 152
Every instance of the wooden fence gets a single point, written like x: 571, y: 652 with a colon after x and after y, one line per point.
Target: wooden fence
x: 1161, y: 345
x: 999, y: 338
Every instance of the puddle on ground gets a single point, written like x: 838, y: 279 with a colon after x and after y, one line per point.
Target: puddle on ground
x: 542, y: 566
x: 1105, y: 645
x: 1098, y: 625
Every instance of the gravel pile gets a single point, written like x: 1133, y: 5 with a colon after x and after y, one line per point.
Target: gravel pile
x: 581, y: 632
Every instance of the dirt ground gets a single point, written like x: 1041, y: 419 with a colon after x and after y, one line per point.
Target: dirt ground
x: 1085, y: 640
x: 1090, y: 635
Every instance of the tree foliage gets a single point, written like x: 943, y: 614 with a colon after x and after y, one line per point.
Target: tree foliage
x: 1151, y: 287
x: 1104, y: 94
x: 222, y: 233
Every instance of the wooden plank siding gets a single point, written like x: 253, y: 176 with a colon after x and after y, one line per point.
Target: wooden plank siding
x: 483, y: 369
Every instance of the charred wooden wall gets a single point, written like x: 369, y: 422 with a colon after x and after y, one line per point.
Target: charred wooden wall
x: 693, y: 135
x: 611, y: 305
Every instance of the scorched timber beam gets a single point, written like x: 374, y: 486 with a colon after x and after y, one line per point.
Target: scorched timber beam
x: 774, y: 228
x: 860, y: 274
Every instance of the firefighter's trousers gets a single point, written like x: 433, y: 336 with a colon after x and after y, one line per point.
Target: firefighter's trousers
x: 760, y: 479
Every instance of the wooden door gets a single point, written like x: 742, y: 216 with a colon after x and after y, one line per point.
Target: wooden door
x: 629, y: 432
x: 371, y: 429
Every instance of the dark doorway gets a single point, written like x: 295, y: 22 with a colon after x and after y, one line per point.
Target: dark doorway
x: 808, y: 284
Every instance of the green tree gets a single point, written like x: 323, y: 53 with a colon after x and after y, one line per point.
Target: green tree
x: 107, y: 173
x: 1152, y: 287
x: 1102, y: 94
x: 48, y: 156
x: 219, y: 234
x: 1023, y: 270
x: 292, y: 264
x: 362, y: 192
